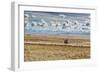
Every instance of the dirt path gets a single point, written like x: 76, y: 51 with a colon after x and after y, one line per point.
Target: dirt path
x: 49, y: 43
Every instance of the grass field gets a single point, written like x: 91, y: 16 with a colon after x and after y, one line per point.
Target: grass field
x: 56, y: 39
x: 43, y: 52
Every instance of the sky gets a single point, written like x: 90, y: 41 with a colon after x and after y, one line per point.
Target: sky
x: 56, y: 22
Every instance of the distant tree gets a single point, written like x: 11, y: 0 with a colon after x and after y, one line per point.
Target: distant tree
x: 66, y: 41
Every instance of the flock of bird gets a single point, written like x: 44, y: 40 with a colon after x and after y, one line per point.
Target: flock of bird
x: 64, y: 24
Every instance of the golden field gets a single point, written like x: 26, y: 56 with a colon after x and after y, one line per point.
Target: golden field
x: 43, y: 48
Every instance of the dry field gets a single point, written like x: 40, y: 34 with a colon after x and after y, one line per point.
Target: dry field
x: 58, y: 51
